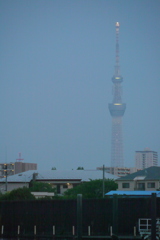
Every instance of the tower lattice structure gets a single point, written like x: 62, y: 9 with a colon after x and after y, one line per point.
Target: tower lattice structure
x: 117, y: 109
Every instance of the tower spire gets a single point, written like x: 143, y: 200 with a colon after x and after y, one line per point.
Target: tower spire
x: 117, y: 77
x: 117, y: 67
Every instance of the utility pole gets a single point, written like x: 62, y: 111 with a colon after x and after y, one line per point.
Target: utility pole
x: 8, y: 169
x: 6, y: 181
x: 5, y: 171
x: 5, y: 167
x: 103, y: 181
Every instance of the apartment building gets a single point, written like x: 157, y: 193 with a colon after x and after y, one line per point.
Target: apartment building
x: 146, y: 158
x: 8, y: 169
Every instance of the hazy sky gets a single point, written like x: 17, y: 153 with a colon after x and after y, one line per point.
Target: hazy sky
x: 57, y: 59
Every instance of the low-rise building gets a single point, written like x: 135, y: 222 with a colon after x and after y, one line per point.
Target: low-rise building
x: 60, y: 180
x: 147, y: 179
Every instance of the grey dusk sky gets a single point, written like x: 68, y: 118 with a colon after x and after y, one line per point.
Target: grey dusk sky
x: 57, y: 60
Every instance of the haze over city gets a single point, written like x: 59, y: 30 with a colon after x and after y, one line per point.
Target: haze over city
x: 57, y: 60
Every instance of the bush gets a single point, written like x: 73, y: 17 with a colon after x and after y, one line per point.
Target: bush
x: 18, y: 194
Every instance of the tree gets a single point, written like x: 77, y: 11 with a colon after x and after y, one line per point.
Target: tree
x: 91, y: 189
x: 80, y: 168
x: 41, y: 187
x: 18, y: 194
x: 53, y: 168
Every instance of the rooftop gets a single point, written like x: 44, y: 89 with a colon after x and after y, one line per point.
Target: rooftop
x: 151, y: 173
x: 81, y: 175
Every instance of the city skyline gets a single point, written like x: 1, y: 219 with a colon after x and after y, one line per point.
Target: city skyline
x: 57, y: 59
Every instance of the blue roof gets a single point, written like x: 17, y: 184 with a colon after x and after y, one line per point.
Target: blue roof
x: 133, y: 193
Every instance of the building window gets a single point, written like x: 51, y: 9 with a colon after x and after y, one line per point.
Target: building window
x: 125, y: 185
x: 141, y: 186
x: 151, y: 184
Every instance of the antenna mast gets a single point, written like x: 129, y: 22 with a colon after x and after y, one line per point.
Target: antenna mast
x: 117, y: 67
x: 19, y: 159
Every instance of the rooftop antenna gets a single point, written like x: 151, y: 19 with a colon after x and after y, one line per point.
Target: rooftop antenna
x: 19, y: 159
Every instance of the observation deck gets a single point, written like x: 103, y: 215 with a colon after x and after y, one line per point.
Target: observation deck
x: 117, y: 79
x: 117, y: 109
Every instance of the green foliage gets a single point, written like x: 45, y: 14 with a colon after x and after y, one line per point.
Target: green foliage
x: 44, y: 198
x: 53, y: 168
x: 5, y: 196
x: 80, y: 168
x: 41, y: 187
x: 91, y: 189
x: 18, y: 194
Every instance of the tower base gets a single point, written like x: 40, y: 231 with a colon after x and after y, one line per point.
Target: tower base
x: 117, y: 143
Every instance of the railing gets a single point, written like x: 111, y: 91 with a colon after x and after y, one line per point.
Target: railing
x: 144, y: 227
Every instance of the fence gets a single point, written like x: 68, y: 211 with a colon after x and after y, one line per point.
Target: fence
x: 74, y: 218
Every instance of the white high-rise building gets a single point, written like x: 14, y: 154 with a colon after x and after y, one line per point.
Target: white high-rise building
x: 146, y: 158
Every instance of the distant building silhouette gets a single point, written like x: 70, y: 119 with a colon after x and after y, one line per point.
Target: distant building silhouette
x: 7, y: 169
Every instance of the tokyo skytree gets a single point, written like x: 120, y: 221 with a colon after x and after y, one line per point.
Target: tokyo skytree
x: 117, y: 109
